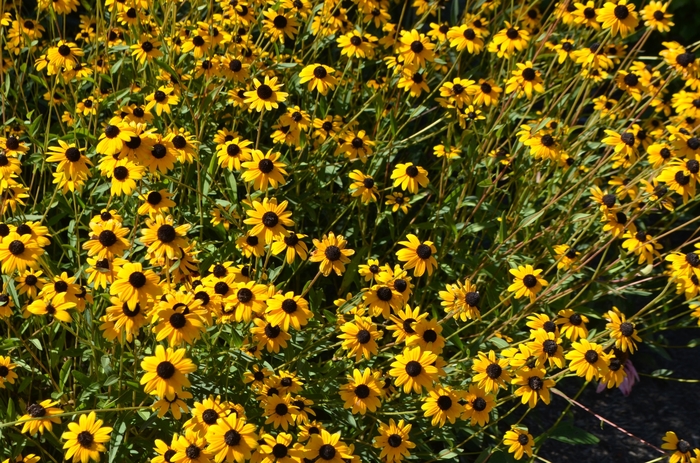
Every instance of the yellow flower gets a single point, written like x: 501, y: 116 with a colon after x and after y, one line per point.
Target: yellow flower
x: 319, y: 76
x: 533, y: 386
x: 269, y: 219
x: 331, y: 252
x: 418, y: 255
x: 681, y: 448
x: 362, y: 392
x: 491, y: 373
x: 588, y: 360
x: 85, y: 439
x: 414, y: 369
x: 40, y: 417
x: 527, y: 282
x: 619, y: 17
x: 393, y: 441
x: 266, y: 96
x: 165, y: 372
x: 519, y: 442
x: 264, y: 169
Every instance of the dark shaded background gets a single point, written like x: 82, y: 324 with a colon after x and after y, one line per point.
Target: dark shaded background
x: 654, y: 407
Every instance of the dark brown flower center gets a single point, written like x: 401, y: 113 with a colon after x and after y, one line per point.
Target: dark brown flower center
x: 332, y: 253
x: 530, y: 281
x: 413, y: 368
x: 165, y: 370
x: 264, y: 92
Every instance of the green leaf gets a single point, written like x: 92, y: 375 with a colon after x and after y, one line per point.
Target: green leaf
x: 65, y: 376
x: 499, y: 342
x: 570, y: 434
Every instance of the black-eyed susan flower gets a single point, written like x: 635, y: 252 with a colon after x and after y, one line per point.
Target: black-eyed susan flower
x: 113, y: 138
x: 363, y: 186
x: 264, y: 169
x: 269, y: 336
x: 356, y: 145
x: 354, y: 44
x: 404, y: 321
x: 519, y: 442
x: 85, y: 439
x: 269, y: 219
x: 124, y: 319
x: 231, y: 439
x: 155, y: 202
x: 414, y: 370
x: 266, y: 95
x: 279, y: 448
x: 525, y: 81
x: 655, y: 16
x: 461, y: 300
x: 415, y: 48
x: 622, y: 331
x: 508, y: 40
x: 70, y: 160
x: 619, y: 17
x: 393, y: 441
x: 325, y: 447
x: 165, y: 372
x: 161, y: 100
x: 124, y: 177
x: 107, y: 240
x: 479, y: 405
x: 466, y: 37
x: 527, y: 282
x: 360, y: 337
x: 413, y: 81
x: 319, y: 77
x: 534, y: 386
x: 163, y: 237
x: 546, y: 347
x: 643, y: 245
x: 57, y: 308
x: 165, y: 451
x: 40, y: 416
x: 278, y: 24
x: 191, y: 448
x: 491, y: 373
x: 572, y: 324
x: 147, y: 49
x: 18, y: 252
x: 245, y: 299
x: 178, y: 320
x: 7, y: 375
x: 681, y: 448
x: 251, y: 245
x: 397, y: 201
x: 409, y: 177
x: 134, y: 284
x: 280, y: 411
x: 206, y: 414
x: 65, y: 55
x: 587, y: 359
x: 287, y: 310
x: 442, y: 404
x: 292, y: 245
x: 231, y: 153
x: 381, y: 299
x: 362, y: 391
x: 427, y: 336
x: 332, y: 254
x: 417, y: 255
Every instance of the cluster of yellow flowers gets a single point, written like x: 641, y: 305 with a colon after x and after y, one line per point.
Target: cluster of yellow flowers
x: 202, y: 182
